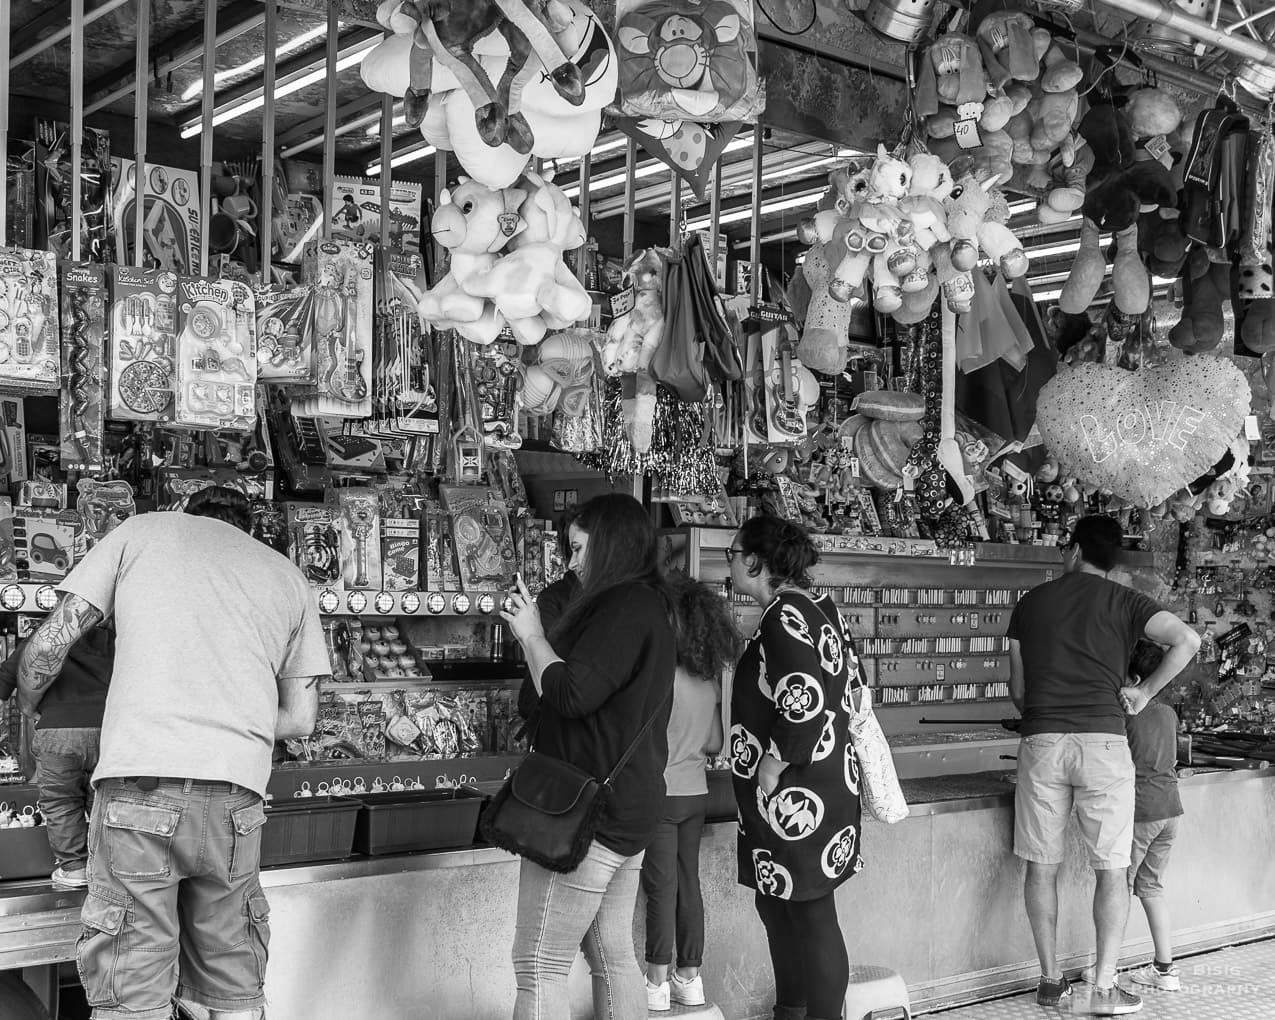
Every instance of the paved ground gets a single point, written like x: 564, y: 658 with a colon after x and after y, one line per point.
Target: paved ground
x: 1229, y: 984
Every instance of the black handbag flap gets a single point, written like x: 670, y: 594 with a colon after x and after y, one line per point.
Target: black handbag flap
x: 550, y: 785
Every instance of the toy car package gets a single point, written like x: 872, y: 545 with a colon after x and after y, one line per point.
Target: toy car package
x: 103, y: 506
x: 81, y: 403
x: 30, y: 356
x: 216, y: 354
x: 143, y: 343
x: 44, y: 543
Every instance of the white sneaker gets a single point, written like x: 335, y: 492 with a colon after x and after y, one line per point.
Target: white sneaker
x: 1152, y: 978
x: 657, y: 998
x: 687, y: 993
x: 1087, y: 975
x: 64, y: 879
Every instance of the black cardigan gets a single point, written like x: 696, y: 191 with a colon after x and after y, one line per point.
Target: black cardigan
x: 617, y: 669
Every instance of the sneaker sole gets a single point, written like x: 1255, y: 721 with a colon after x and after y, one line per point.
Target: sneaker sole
x: 1113, y: 1010
x: 690, y: 1002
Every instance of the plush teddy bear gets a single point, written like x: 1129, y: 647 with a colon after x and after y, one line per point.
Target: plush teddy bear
x: 531, y: 286
x: 633, y: 337
x: 475, y: 223
x: 1065, y: 191
x: 1205, y: 285
x: 967, y: 219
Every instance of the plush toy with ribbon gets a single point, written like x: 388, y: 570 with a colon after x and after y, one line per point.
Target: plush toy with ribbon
x: 1143, y: 434
x: 631, y: 342
x: 475, y: 223
x: 972, y: 229
x: 531, y: 286
x: 497, y: 81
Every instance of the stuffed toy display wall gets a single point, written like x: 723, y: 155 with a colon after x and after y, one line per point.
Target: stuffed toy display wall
x: 497, y: 81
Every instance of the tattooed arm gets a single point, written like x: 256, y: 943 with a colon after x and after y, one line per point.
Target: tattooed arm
x: 298, y: 706
x: 45, y: 653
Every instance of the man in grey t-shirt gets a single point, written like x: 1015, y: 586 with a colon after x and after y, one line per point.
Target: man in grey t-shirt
x: 219, y: 653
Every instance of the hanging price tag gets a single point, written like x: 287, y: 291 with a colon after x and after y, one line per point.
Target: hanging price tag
x: 623, y: 302
x: 1158, y: 149
x: 966, y: 134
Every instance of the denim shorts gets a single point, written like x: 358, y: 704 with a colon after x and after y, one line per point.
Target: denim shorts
x: 1091, y: 773
x: 174, y: 905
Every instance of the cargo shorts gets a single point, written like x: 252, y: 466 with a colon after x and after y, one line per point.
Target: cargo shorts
x: 1152, y: 843
x: 174, y: 906
x: 1091, y: 773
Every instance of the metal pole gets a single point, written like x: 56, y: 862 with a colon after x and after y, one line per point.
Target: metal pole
x: 1170, y: 17
x: 266, y: 225
x: 754, y: 250
x: 140, y: 112
x: 630, y: 196
x: 586, y: 176
x: 206, y: 134
x: 387, y: 172
x: 4, y: 112
x: 440, y: 184
x: 35, y: 49
x: 675, y: 213
x: 329, y: 131
x: 715, y: 220
x: 77, y: 125
x: 162, y: 67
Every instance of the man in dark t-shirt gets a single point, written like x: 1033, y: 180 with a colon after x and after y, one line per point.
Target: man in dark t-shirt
x: 1070, y: 641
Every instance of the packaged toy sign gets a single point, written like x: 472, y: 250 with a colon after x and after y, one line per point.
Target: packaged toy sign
x: 1144, y: 434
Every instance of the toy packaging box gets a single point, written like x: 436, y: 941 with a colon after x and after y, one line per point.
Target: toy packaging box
x: 216, y: 354
x: 285, y: 335
x: 30, y: 348
x: 44, y: 543
x: 8, y: 562
x: 81, y: 403
x: 173, y: 220
x: 143, y: 344
x: 13, y: 440
x: 439, y: 551
x: 360, y: 525
x: 103, y: 506
x: 341, y: 272
x: 484, y: 543
x: 297, y: 222
x: 400, y: 553
x: 354, y: 208
x: 315, y: 542
x: 53, y: 180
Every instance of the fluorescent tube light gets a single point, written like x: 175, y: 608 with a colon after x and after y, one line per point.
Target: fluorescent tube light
x: 220, y: 77
x: 774, y: 206
x: 648, y: 169
x: 401, y: 158
x: 351, y: 59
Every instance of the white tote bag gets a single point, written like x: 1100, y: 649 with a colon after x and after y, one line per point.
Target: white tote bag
x: 878, y: 782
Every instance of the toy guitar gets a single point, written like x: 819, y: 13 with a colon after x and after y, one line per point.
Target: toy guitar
x: 791, y: 387
x: 345, y: 355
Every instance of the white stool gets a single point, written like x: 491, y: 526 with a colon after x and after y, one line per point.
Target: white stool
x: 875, y: 989
x: 705, y: 1012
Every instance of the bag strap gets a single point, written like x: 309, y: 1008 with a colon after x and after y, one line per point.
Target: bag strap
x: 646, y: 727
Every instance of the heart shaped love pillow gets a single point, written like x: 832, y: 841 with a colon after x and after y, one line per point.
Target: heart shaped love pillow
x: 1143, y: 434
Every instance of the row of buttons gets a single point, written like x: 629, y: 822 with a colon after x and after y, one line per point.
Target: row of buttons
x: 409, y: 602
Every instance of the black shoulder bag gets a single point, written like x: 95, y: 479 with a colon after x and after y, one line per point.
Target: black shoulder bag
x: 548, y: 809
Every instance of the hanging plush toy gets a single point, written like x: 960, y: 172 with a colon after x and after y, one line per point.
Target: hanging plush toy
x: 553, y: 65
x: 631, y: 343
x: 475, y: 223
x: 531, y: 286
x: 972, y: 230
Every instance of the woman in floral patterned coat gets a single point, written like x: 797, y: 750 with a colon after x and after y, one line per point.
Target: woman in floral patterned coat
x: 796, y: 777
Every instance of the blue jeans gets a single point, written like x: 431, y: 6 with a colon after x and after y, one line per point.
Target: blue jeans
x: 590, y: 908
x: 64, y: 764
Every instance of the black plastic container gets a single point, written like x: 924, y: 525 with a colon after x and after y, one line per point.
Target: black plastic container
x: 308, y: 829
x: 721, y: 797
x: 25, y: 853
x: 393, y: 823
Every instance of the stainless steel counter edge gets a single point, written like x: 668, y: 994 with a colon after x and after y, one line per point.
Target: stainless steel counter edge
x: 32, y: 897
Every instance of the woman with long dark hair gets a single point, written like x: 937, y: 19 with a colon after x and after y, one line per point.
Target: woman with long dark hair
x: 796, y: 774
x: 605, y: 669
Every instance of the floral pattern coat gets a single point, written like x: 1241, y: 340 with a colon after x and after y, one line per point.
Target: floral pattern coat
x: 792, y: 698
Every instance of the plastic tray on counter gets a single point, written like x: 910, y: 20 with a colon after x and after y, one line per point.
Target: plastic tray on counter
x: 392, y: 823
x: 308, y: 829
x: 25, y: 853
